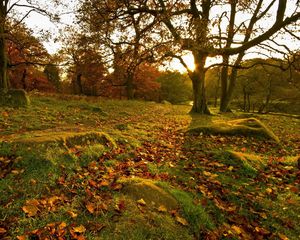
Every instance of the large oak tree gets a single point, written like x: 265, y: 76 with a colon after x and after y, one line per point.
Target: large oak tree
x: 192, y: 25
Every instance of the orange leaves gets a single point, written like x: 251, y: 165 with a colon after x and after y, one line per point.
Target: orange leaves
x: 2, y: 231
x: 33, y: 207
x: 79, y: 229
x: 96, y: 206
x: 282, y: 237
x: 120, y: 206
x: 22, y: 237
x: 5, y: 114
x: 224, y: 206
x: 30, y: 210
x: 237, y: 229
x: 141, y: 202
x: 90, y: 207
x: 181, y: 220
x: 58, y: 230
x: 72, y: 214
x: 92, y: 183
x: 162, y: 208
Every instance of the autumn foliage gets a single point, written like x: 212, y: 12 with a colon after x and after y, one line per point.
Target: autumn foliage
x: 26, y: 59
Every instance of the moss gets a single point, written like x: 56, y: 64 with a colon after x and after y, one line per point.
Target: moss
x: 151, y: 193
x: 250, y: 162
x: 246, y: 127
x: 134, y: 224
x: 68, y: 139
x: 15, y: 98
x: 195, y: 214
x: 91, y: 153
x: 293, y: 161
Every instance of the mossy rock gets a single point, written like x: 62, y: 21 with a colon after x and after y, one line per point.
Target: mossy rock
x: 134, y: 224
x: 292, y: 160
x: 165, y: 102
x: 14, y: 98
x: 149, y: 192
x: 92, y: 108
x: 249, y: 161
x: 246, y: 127
x: 68, y: 139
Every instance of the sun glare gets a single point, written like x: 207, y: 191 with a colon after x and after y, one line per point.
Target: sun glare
x: 175, y: 64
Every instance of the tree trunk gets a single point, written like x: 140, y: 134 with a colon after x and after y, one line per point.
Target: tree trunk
x: 23, y: 80
x: 231, y: 87
x: 228, y: 87
x: 130, y: 87
x: 248, y: 103
x: 3, y: 60
x: 224, y: 84
x: 217, y: 90
x: 79, y: 83
x: 198, y: 79
x: 245, y: 99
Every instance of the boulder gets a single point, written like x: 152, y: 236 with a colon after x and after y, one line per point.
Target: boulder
x: 246, y: 127
x: 149, y: 192
x: 14, y: 98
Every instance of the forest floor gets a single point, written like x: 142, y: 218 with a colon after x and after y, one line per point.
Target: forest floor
x: 82, y: 168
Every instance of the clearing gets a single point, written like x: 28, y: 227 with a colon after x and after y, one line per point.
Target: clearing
x: 84, y: 168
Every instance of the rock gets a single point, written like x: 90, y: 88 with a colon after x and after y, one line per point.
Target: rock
x: 14, y: 98
x: 63, y: 138
x: 149, y: 192
x: 246, y: 127
x: 166, y: 102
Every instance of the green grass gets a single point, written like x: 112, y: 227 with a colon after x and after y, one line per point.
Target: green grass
x: 219, y: 196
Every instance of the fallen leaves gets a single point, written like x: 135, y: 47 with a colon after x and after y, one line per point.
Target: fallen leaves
x: 79, y: 229
x: 33, y: 206
x: 96, y: 207
x: 60, y: 230
x: 181, y: 220
x: 90, y: 207
x: 237, y: 229
x: 72, y: 214
x: 30, y: 210
x: 162, y: 208
x: 282, y: 236
x: 141, y: 202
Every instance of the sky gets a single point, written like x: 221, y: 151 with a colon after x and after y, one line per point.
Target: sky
x: 38, y: 22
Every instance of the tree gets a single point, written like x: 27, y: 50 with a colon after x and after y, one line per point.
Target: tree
x: 7, y: 11
x: 84, y: 63
x: 264, y: 84
x: 26, y: 57
x: 246, y: 30
x: 212, y: 81
x: 52, y: 73
x: 104, y: 21
x: 175, y: 87
x: 191, y: 26
x: 145, y: 82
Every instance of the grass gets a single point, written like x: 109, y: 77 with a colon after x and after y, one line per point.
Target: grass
x: 219, y: 196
